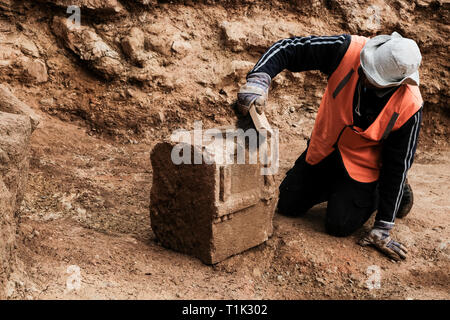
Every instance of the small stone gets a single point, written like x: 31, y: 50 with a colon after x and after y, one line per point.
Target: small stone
x: 81, y: 211
x: 239, y: 37
x: 133, y: 46
x: 321, y: 281
x: 161, y: 116
x: 47, y: 102
x: 234, y: 37
x: 10, y: 289
x: 239, y: 68
x: 90, y: 47
x: 257, y: 272
x: 4, y: 158
x: 181, y: 47
x: 67, y: 206
x: 210, y: 94
x: 34, y: 70
x: 184, y: 197
x: 131, y: 92
x: 29, y: 48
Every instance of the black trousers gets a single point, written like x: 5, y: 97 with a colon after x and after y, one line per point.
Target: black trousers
x: 350, y: 203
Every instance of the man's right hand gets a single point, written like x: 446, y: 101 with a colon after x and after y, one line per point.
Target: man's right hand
x: 254, y: 92
x: 381, y: 240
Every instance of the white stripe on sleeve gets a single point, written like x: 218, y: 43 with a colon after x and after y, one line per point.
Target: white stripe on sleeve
x: 290, y: 42
x: 407, y: 162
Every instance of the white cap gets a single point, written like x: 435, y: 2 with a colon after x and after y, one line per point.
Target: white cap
x: 390, y: 60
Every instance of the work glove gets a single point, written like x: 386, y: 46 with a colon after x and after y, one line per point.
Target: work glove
x: 379, y: 238
x: 254, y: 92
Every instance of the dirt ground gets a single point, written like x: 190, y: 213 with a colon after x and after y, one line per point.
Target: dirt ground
x: 88, y: 207
x: 84, y: 230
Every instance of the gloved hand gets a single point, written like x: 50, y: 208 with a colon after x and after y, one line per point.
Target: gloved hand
x: 254, y: 92
x: 379, y: 238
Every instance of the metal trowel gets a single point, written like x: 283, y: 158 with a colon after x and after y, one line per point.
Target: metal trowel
x: 260, y: 120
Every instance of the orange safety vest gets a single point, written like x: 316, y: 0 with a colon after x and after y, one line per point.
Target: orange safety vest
x: 360, y: 149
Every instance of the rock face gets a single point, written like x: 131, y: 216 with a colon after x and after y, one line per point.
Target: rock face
x: 11, y: 104
x: 181, y: 47
x: 133, y: 46
x: 15, y: 132
x: 211, y: 211
x: 17, y: 122
x: 35, y: 70
x: 20, y: 58
x: 85, y: 43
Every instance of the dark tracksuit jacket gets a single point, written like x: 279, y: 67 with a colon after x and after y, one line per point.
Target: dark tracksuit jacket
x: 324, y: 54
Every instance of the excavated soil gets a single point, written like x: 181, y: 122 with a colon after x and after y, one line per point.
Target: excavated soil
x: 87, y: 203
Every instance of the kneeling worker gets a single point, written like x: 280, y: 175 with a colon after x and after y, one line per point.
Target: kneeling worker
x: 364, y: 136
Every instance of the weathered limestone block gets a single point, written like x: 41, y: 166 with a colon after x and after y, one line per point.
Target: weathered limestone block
x: 211, y: 211
x: 15, y: 132
x: 85, y: 43
x: 159, y: 37
x: 238, y: 69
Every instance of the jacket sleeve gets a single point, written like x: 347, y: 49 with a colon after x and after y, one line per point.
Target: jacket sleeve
x: 304, y: 53
x: 397, y: 157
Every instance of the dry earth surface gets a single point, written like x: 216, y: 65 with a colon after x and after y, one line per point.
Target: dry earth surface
x: 137, y: 70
